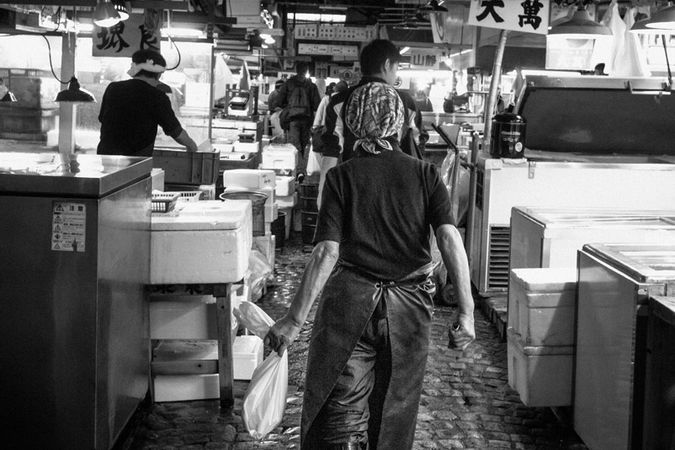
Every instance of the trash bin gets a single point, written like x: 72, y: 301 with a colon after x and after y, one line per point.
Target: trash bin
x: 258, y: 200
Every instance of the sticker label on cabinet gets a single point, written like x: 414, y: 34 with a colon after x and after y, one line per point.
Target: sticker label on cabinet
x: 69, y: 227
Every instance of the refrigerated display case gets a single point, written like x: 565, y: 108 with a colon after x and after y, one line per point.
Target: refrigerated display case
x: 73, y: 320
x: 615, y: 284
x: 591, y: 142
x: 550, y: 237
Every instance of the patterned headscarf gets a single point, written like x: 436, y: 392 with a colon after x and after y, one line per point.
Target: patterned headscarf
x: 374, y: 113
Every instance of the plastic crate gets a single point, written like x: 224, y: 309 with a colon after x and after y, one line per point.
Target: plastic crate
x: 189, y: 196
x: 308, y: 204
x: 183, y: 167
x: 309, y: 190
x: 163, y: 202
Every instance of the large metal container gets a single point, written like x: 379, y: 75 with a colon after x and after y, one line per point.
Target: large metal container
x: 73, y: 318
x: 615, y: 284
x: 550, y: 237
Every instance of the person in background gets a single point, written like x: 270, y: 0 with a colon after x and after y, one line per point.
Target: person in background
x: 371, y: 262
x: 132, y: 109
x: 275, y: 109
x: 319, y: 127
x: 379, y: 62
x: 422, y: 101
x: 299, y: 97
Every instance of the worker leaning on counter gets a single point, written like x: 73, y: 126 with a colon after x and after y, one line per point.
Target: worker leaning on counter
x: 132, y: 109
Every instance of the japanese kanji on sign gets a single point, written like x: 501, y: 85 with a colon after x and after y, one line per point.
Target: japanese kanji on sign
x: 529, y: 16
x: 125, y: 38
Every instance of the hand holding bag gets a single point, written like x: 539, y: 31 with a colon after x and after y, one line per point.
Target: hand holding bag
x: 265, y: 398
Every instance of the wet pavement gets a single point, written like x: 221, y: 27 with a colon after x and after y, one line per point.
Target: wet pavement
x: 466, y: 401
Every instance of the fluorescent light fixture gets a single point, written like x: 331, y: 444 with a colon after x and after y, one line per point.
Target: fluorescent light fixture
x: 580, y: 26
x: 182, y: 32
x: 461, y: 52
x: 105, y: 14
x: 404, y: 50
x: 312, y: 17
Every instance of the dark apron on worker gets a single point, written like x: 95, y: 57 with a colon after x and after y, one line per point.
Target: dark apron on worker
x: 347, y: 304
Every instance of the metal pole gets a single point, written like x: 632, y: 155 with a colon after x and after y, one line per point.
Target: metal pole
x: 494, y: 87
x: 472, y: 234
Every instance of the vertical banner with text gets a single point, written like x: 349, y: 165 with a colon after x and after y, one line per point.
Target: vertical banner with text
x: 529, y: 16
x: 125, y: 38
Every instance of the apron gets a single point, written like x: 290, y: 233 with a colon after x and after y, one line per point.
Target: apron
x: 347, y: 303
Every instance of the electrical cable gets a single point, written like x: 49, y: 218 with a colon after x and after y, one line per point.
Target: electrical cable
x: 51, y: 66
x: 177, y: 51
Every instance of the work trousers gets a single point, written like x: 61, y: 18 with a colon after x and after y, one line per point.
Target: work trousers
x: 345, y: 416
x: 299, y: 135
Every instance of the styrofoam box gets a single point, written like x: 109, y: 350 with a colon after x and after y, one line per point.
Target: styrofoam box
x: 247, y: 354
x: 288, y: 201
x: 279, y: 157
x: 189, y: 316
x: 284, y: 186
x: 541, y: 305
x: 203, y: 242
x: 249, y: 178
x: 542, y: 375
x: 251, y: 147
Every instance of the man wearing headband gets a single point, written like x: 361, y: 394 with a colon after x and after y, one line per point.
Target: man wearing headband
x: 132, y: 109
x: 372, y: 265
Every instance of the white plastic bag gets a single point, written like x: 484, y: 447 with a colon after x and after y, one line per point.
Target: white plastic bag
x: 265, y: 398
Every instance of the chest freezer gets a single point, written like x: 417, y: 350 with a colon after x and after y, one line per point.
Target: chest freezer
x: 74, y: 317
x: 550, y: 237
x: 203, y: 242
x: 592, y: 142
x: 615, y: 284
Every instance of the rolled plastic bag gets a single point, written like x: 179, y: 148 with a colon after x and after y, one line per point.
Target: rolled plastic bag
x: 265, y: 398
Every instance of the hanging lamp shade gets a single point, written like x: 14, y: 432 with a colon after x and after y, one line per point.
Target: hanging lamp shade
x: 74, y: 93
x: 105, y: 14
x: 580, y: 26
x: 8, y: 97
x: 121, y: 8
x: 641, y: 27
x: 663, y: 19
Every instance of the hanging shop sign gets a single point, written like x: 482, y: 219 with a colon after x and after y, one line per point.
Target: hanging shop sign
x: 426, y: 58
x: 450, y: 27
x: 125, y: 38
x: 529, y: 16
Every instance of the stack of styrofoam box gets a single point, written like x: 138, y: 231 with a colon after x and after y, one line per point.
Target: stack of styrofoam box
x: 282, y: 158
x: 286, y: 198
x: 184, y: 331
x: 264, y: 181
x: 540, y: 334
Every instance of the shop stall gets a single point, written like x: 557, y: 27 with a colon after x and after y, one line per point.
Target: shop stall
x: 589, y: 142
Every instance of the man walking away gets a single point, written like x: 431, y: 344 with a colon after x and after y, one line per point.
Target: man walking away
x: 299, y: 98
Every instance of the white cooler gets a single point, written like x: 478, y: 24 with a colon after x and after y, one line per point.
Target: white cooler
x: 541, y: 305
x: 204, y: 242
x: 542, y: 375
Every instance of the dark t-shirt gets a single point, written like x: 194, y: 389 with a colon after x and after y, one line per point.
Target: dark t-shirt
x: 130, y: 113
x: 380, y: 209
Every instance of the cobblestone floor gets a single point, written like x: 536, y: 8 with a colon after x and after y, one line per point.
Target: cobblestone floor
x: 466, y: 401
